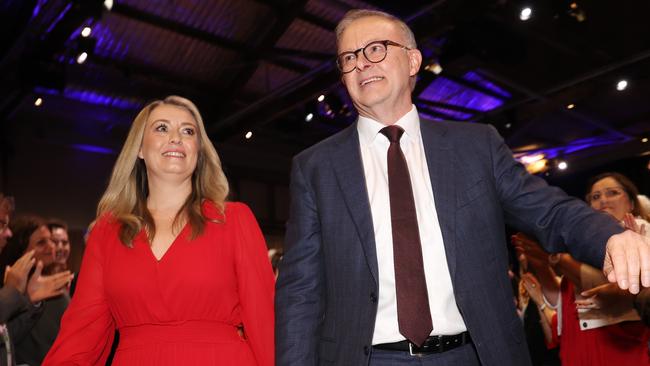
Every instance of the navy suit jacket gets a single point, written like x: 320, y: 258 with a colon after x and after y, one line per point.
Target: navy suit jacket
x: 326, y: 296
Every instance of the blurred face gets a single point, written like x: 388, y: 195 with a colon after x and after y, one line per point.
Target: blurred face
x: 374, y: 87
x: 41, y: 242
x: 607, y: 195
x: 170, y: 143
x: 61, y: 245
x: 5, y: 232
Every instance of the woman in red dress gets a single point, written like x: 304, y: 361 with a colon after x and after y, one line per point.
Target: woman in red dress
x: 174, y: 268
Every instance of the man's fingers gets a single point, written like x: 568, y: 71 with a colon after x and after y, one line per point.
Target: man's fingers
x: 618, y: 260
x: 39, y: 269
x: 633, y: 267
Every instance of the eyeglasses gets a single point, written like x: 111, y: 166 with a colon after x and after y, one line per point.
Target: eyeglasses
x: 374, y: 52
x: 607, y: 193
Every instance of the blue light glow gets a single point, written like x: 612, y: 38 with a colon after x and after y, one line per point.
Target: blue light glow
x: 93, y: 149
x: 443, y: 90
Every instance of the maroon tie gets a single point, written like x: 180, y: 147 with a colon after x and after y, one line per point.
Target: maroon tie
x: 413, y: 314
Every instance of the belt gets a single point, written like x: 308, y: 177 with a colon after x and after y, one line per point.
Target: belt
x: 433, y: 344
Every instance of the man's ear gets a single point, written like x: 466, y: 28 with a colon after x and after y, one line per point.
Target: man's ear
x: 415, y: 61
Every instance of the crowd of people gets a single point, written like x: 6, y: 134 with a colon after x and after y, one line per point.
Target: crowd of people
x: 395, y: 251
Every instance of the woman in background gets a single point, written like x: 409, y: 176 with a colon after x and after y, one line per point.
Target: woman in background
x: 595, y: 322
x: 169, y: 263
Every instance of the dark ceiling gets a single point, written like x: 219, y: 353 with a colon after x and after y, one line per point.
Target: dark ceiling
x: 259, y: 66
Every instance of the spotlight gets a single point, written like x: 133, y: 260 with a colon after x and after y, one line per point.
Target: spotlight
x: 621, y: 85
x: 645, y: 139
x: 562, y: 165
x: 508, y: 125
x: 108, y: 4
x: 321, y: 98
x: 39, y: 101
x: 248, y: 135
x: 570, y: 106
x: 85, y: 32
x: 81, y: 58
x: 309, y: 117
x: 525, y: 13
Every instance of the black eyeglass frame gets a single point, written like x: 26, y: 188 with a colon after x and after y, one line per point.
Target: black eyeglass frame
x: 385, y: 43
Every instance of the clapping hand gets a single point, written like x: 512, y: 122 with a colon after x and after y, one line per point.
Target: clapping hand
x: 16, y: 274
x: 608, y: 298
x: 630, y: 223
x: 42, y: 287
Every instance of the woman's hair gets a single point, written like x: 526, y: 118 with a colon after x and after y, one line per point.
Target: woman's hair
x: 22, y: 228
x: 630, y: 190
x: 125, y: 199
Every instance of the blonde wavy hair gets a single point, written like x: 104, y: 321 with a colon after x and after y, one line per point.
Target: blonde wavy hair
x: 125, y: 199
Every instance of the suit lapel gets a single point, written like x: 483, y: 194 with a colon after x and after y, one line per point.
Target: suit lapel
x: 348, y: 167
x: 440, y: 160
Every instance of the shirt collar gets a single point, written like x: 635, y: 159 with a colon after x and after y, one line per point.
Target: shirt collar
x: 368, y: 128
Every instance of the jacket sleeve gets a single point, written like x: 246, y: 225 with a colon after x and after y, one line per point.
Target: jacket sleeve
x: 559, y: 222
x: 87, y: 327
x: 11, y: 303
x: 300, y: 297
x: 21, y: 322
x: 255, y: 283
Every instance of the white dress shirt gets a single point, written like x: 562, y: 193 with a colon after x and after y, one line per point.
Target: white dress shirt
x: 374, y: 149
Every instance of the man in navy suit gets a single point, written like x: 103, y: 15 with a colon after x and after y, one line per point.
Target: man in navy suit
x: 340, y: 294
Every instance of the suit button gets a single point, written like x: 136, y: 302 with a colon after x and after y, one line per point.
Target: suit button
x: 373, y: 297
x: 366, y: 350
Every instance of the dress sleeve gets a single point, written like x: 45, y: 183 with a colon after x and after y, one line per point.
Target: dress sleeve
x: 256, y: 285
x: 87, y: 327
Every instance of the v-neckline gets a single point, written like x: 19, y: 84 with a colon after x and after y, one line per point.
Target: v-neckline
x: 173, y: 244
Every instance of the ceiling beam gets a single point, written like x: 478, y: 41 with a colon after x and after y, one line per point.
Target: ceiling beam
x: 213, y: 39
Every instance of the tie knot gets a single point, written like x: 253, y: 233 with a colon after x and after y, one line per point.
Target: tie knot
x: 393, y: 133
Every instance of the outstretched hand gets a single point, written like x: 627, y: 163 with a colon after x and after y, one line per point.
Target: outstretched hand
x: 627, y: 261
x: 44, y: 287
x: 608, y: 297
x: 16, y: 274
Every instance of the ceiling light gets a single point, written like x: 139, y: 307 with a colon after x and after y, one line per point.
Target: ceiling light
x: 621, y: 85
x: 309, y: 117
x: 562, y: 165
x: 573, y: 5
x: 508, y: 125
x: 321, y: 98
x: 85, y: 32
x: 527, y: 159
x: 82, y: 58
x: 248, y: 135
x: 108, y: 4
x: 434, y: 67
x: 525, y: 13
x: 645, y: 139
x: 570, y: 106
x: 38, y: 101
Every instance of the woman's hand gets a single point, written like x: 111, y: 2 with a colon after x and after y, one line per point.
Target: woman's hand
x: 630, y: 223
x: 16, y: 274
x: 608, y: 298
x: 536, y: 257
x: 44, y: 287
x: 532, y: 286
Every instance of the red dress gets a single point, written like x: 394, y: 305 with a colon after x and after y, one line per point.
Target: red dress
x: 621, y: 344
x: 180, y: 310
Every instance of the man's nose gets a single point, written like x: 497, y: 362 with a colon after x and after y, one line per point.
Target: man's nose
x: 362, y: 62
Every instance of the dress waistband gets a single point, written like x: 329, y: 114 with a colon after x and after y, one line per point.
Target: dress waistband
x: 191, y: 331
